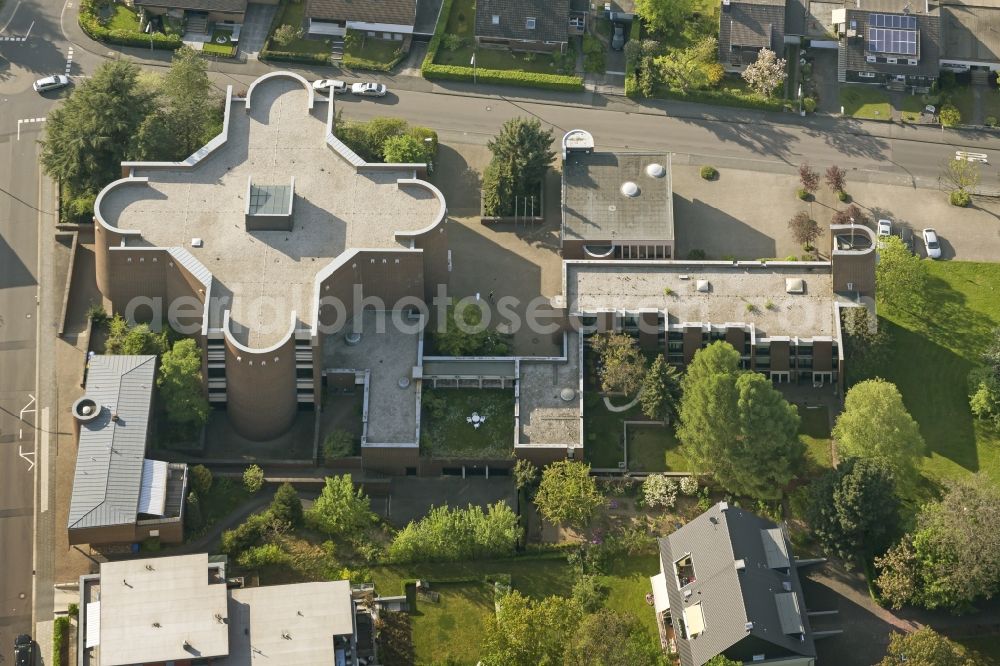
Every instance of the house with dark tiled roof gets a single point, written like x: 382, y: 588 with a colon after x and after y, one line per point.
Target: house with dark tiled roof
x: 385, y: 19
x: 729, y: 585
x: 523, y: 25
x: 746, y: 27
x: 197, y: 13
x: 896, y: 43
x: 970, y: 35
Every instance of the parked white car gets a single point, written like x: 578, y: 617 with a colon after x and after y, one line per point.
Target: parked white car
x: 931, y: 243
x: 54, y: 82
x: 883, y: 229
x: 369, y: 89
x: 336, y: 86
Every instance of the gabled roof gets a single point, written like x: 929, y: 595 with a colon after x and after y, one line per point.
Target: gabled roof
x: 551, y: 19
x: 752, y: 24
x: 109, y: 460
x: 929, y: 44
x: 971, y: 31
x: 393, y: 12
x: 738, y: 591
x: 227, y: 6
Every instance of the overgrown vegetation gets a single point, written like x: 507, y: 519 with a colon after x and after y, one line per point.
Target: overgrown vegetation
x: 521, y: 157
x: 388, y: 140
x: 466, y: 334
x: 452, y: 534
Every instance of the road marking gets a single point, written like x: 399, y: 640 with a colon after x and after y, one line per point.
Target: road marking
x: 69, y: 60
x: 4, y: 28
x: 29, y: 30
x: 26, y: 121
x: 44, y: 460
x: 29, y: 408
x: 971, y: 157
x: 27, y: 455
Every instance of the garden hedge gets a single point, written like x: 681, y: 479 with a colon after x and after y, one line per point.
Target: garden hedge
x: 430, y: 70
x: 92, y: 26
x: 60, y: 628
x: 287, y: 56
x: 363, y: 63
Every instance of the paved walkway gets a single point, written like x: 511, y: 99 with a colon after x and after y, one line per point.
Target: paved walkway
x: 256, y: 23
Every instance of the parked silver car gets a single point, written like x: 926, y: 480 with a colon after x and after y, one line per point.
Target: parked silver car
x: 54, y: 82
x: 369, y: 89
x: 931, y: 243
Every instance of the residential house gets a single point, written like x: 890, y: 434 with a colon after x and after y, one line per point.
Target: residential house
x: 198, y: 14
x: 385, y: 19
x: 183, y: 610
x: 970, y: 36
x: 120, y: 496
x: 729, y: 585
x: 523, y: 25
x: 746, y: 27
x: 896, y: 43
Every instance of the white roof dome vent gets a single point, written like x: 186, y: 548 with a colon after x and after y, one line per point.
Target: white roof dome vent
x: 655, y: 170
x: 630, y: 189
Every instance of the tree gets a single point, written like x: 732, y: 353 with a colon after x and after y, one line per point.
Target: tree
x: 900, y: 276
x: 952, y: 558
x: 925, y: 647
x: 286, y: 505
x: 180, y: 385
x: 809, y: 178
x: 853, y: 214
x: 451, y: 534
x: 949, y: 115
x: 961, y: 175
x: 193, y: 519
x: 89, y: 135
x: 836, y: 179
x: 722, y: 660
x: 661, y: 390
x: 737, y: 426
x: 525, y: 474
x: 135, y: 340
x: 568, y: 494
x: 192, y: 108
x: 664, y: 16
x: 404, y: 149
x: 766, y: 73
x: 876, y: 425
x: 286, y: 34
x: 524, y: 632
x: 693, y: 68
x: 984, y: 395
x: 659, y: 491
x: 804, y: 229
x: 622, y: 365
x: 253, y: 478
x: 853, y: 509
x: 521, y: 155
x: 610, y: 637
x: 340, y: 509
x: 201, y: 480
x: 589, y: 592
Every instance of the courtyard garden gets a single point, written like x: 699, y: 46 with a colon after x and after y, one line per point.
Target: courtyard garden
x: 291, y: 43
x: 447, y: 432
x: 364, y: 52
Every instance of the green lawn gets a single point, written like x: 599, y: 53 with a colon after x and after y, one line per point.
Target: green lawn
x: 446, y: 433
x: 961, y: 97
x: 293, y: 14
x: 987, y: 648
x: 224, y: 497
x: 602, y: 431
x: 911, y: 107
x: 451, y: 629
x: 376, y: 52
x: 654, y: 448
x: 929, y: 355
x: 815, y: 431
x: 861, y: 101
x: 125, y: 18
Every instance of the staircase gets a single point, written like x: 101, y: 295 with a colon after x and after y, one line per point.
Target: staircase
x: 197, y: 23
x: 337, y: 49
x: 842, y: 61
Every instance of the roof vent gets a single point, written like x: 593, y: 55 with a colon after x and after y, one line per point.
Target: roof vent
x: 723, y: 506
x: 741, y: 564
x: 352, y: 338
x: 786, y: 585
x: 567, y: 394
x: 795, y: 285
x: 748, y: 626
x: 655, y: 170
x: 630, y: 189
x: 687, y: 593
x: 85, y: 410
x: 197, y: 242
x: 703, y: 286
x: 403, y: 382
x: 114, y: 417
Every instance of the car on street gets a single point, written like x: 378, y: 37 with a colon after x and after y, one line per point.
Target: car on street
x: 618, y: 37
x: 931, y: 243
x: 54, y: 82
x: 24, y: 650
x: 326, y: 85
x: 369, y: 89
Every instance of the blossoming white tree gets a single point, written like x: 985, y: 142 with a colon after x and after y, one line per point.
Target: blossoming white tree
x: 766, y: 73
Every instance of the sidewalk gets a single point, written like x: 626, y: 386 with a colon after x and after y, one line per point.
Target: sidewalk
x: 408, y: 79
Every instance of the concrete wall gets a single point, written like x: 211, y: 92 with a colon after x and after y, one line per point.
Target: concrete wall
x: 542, y: 455
x: 391, y: 460
x: 260, y: 389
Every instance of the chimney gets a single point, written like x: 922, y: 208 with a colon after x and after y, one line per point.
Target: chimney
x: 114, y: 417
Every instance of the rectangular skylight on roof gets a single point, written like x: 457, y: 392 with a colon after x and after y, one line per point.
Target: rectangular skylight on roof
x: 694, y: 620
x: 886, y: 40
x: 153, y: 491
x: 775, y: 549
x: 789, y: 613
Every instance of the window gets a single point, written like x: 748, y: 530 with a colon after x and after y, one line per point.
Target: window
x: 890, y: 60
x: 529, y: 23
x: 386, y: 35
x: 496, y: 19
x: 866, y: 75
x: 911, y: 61
x: 870, y: 58
x: 371, y: 33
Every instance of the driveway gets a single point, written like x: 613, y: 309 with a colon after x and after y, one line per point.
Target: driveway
x: 256, y: 23
x: 824, y: 63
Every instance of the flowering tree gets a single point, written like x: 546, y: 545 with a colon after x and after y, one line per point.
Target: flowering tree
x: 766, y: 73
x: 659, y: 490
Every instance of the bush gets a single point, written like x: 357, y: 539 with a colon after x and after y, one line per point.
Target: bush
x: 201, y: 480
x: 193, y: 518
x: 338, y: 444
x: 92, y: 26
x: 659, y: 490
x: 949, y: 115
x: 261, y: 556
x: 253, y: 478
x: 803, y: 193
x: 697, y: 255
x: 287, y: 56
x: 250, y: 533
x: 689, y: 486
x: 341, y: 508
x: 502, y: 76
x: 589, y: 593
x: 447, y: 535
x: 809, y: 104
x: 286, y: 506
x: 991, y: 121
x: 73, y: 610
x: 843, y: 196
x: 709, y: 172
x: 78, y: 209
x: 452, y: 42
x: 724, y: 97
x: 60, y: 627
x: 221, y: 50
x: 959, y: 198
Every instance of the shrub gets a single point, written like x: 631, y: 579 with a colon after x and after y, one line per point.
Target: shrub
x: 60, y: 627
x: 261, y: 556
x: 193, y: 518
x: 659, y: 490
x: 803, y: 194
x: 201, y: 480
x: 79, y: 209
x: 949, y: 115
x: 452, y: 42
x: 809, y: 104
x: 503, y: 77
x: 221, y: 50
x: 959, y: 198
x: 286, y: 506
x: 697, y: 255
x: 97, y: 314
x: 709, y: 172
x: 589, y: 593
x: 843, y: 196
x: 287, y: 56
x: 341, y: 508
x: 249, y: 533
x: 991, y: 121
x: 91, y: 25
x: 286, y: 34
x: 447, y: 535
x: 689, y: 486
x: 253, y: 478
x: 73, y: 610
x: 338, y: 444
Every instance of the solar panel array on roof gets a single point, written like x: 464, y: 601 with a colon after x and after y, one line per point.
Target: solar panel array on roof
x: 892, y: 21
x: 886, y: 40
